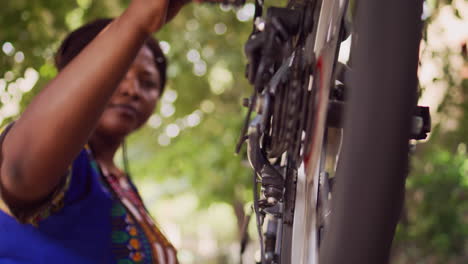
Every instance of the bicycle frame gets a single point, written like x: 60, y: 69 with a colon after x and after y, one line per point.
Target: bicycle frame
x: 320, y: 50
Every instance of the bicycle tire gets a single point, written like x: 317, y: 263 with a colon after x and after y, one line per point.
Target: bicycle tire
x: 369, y: 191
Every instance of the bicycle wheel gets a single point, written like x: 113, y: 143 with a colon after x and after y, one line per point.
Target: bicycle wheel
x: 291, y: 128
x: 368, y: 195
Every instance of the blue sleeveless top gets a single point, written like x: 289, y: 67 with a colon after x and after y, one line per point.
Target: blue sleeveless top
x: 83, y: 222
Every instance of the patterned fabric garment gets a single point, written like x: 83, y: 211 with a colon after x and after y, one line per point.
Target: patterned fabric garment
x: 135, y: 236
x: 90, y: 218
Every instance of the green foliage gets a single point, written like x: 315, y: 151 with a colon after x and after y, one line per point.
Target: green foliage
x: 202, y: 156
x: 435, y: 224
x: 35, y: 30
x: 437, y: 203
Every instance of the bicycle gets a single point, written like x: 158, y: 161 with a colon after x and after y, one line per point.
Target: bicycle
x: 304, y: 100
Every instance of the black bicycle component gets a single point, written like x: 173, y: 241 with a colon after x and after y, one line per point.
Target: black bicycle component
x: 288, y: 213
x: 273, y: 184
x: 270, y: 241
x: 421, y: 123
x: 341, y: 71
x: 265, y: 48
x: 336, y: 105
x: 335, y: 113
x: 280, y: 74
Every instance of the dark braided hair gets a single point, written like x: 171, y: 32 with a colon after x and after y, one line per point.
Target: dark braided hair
x: 77, y: 40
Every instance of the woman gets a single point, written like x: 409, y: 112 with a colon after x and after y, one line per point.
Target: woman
x: 63, y: 200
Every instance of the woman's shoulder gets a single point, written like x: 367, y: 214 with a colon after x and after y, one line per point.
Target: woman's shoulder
x: 76, y: 186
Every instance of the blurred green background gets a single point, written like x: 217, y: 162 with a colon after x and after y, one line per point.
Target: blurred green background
x: 183, y: 160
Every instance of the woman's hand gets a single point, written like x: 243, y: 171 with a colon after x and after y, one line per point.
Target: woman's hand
x: 148, y: 15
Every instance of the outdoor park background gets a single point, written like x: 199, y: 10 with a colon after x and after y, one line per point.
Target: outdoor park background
x: 183, y: 160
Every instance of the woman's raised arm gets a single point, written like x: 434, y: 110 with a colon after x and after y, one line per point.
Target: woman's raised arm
x: 55, y: 126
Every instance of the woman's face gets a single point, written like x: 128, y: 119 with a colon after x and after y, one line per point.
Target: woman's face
x: 135, y: 99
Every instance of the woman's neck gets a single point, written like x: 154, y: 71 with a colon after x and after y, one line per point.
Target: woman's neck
x: 104, y: 149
